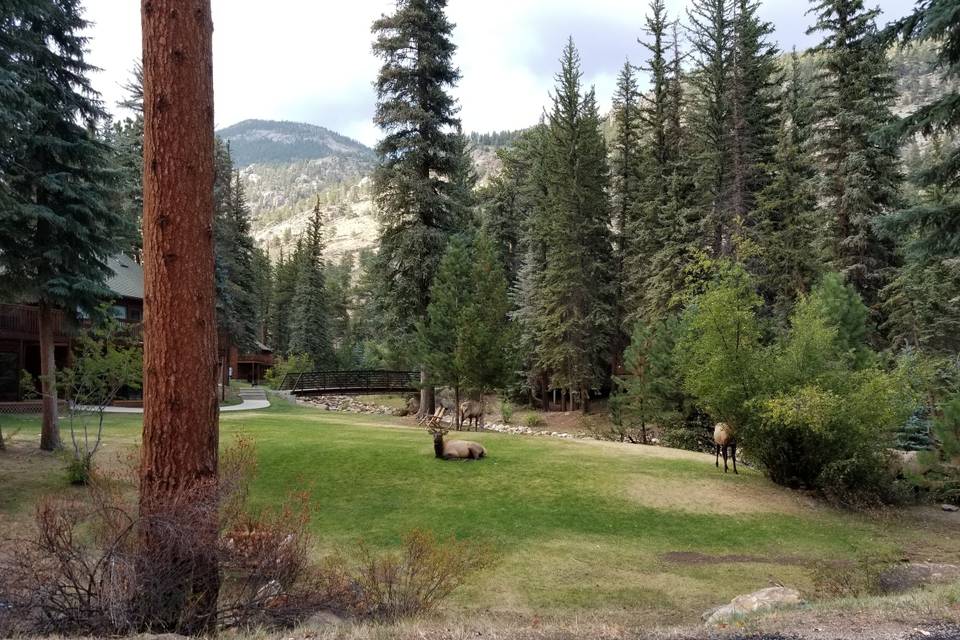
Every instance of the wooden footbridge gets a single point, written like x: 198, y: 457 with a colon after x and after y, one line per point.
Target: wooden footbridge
x: 316, y: 383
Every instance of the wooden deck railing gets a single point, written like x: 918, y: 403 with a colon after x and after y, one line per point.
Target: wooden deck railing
x: 22, y: 320
x: 350, y: 382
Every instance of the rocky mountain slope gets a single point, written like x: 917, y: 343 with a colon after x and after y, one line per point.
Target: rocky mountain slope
x: 287, y: 166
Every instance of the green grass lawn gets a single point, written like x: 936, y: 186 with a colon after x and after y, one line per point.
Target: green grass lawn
x: 580, y: 528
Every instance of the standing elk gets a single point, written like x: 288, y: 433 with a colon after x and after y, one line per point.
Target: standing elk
x: 725, y: 438
x: 472, y: 411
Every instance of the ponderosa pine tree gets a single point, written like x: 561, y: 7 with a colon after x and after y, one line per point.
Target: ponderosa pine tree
x: 58, y: 227
x: 858, y: 168
x: 309, y: 308
x: 574, y: 305
x: 785, y: 232
x: 420, y: 157
x: 178, y: 523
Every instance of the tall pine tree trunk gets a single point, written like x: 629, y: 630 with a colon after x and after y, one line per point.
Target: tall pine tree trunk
x: 456, y: 406
x: 50, y: 431
x: 427, y: 395
x: 179, y: 576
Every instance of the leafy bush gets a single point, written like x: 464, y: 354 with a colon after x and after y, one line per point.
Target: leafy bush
x: 812, y: 407
x: 533, y: 421
x: 295, y: 363
x: 506, y: 411
x: 719, y: 354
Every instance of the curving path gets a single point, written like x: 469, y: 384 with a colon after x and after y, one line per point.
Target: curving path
x: 253, y: 399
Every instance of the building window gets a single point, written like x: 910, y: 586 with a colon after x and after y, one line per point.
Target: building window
x: 118, y: 312
x: 135, y: 314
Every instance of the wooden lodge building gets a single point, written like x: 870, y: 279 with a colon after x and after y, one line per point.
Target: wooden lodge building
x: 20, y: 326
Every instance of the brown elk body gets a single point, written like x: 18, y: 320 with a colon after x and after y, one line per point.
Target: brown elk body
x: 471, y: 411
x: 725, y: 438
x: 456, y: 449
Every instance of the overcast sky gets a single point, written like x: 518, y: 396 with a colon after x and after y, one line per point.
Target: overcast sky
x: 311, y: 61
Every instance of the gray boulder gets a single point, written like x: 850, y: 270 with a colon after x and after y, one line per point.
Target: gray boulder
x: 762, y: 600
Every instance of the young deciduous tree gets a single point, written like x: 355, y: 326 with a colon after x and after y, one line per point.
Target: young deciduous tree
x: 178, y: 464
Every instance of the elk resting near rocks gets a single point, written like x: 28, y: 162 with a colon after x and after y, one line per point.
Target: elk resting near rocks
x: 724, y: 438
x: 471, y: 410
x: 455, y: 449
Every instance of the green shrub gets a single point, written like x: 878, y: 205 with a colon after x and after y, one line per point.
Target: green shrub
x: 295, y: 363
x: 948, y: 427
x: 812, y: 407
x: 506, y: 411
x: 719, y: 354
x: 533, y: 420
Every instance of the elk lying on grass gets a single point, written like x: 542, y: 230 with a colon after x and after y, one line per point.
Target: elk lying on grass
x: 455, y: 449
x: 725, y: 438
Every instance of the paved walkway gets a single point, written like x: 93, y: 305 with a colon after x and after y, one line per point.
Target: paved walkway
x: 253, y: 399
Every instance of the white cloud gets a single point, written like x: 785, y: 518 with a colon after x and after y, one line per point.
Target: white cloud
x: 312, y: 61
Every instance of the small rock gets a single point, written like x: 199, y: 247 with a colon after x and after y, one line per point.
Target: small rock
x: 762, y: 600
x: 323, y: 619
x: 950, y: 507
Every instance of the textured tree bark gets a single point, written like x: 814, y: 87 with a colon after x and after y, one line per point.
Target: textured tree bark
x: 427, y: 396
x: 179, y: 576
x: 50, y: 431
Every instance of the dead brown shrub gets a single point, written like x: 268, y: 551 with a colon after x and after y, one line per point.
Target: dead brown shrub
x: 411, y: 582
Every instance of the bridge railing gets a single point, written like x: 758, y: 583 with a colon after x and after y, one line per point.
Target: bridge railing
x: 362, y: 381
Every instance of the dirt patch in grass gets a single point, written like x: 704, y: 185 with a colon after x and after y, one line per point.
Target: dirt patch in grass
x: 719, y: 497
x: 694, y: 558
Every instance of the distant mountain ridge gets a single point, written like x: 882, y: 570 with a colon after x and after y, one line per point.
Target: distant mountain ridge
x: 281, y: 142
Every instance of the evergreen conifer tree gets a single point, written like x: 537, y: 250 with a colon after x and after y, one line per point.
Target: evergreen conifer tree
x: 418, y: 182
x: 859, y: 170
x: 922, y: 300
x: 234, y: 254
x: 711, y: 33
x: 631, y: 235
x: 442, y: 337
x: 574, y: 302
x: 678, y: 228
x: 786, y: 231
x: 58, y: 227
x: 309, y: 308
x: 754, y: 88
